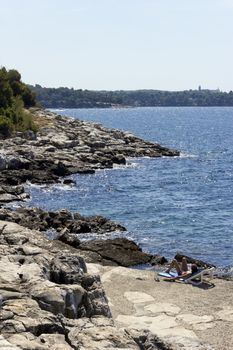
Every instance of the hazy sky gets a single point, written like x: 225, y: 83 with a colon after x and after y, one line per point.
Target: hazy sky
x: 119, y: 44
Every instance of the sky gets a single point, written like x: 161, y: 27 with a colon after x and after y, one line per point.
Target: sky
x: 119, y: 44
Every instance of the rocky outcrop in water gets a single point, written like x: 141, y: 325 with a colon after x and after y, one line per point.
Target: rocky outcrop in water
x: 67, y: 226
x: 62, y: 222
x: 12, y: 193
x: 118, y: 251
x: 65, y: 146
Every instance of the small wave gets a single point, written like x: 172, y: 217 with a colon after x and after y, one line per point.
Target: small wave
x: 186, y: 155
x: 100, y: 236
x: 57, y: 109
x: 129, y: 165
x: 51, y: 187
x: 33, y: 185
x: 126, y: 166
x: 16, y: 205
x: 139, y: 158
x: 62, y: 187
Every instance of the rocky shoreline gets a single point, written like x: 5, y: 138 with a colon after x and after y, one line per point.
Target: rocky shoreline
x: 64, y: 146
x: 66, y: 227
x: 61, y: 147
x: 48, y: 300
x: 48, y: 297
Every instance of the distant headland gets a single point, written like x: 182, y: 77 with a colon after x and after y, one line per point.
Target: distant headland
x: 64, y: 97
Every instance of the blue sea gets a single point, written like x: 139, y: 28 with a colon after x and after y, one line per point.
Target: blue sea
x: 168, y: 205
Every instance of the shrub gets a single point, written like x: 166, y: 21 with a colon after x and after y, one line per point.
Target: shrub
x: 6, y: 126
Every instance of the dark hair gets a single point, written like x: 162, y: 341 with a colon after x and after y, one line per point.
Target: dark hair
x: 194, y: 268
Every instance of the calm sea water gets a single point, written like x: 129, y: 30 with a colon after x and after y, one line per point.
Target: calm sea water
x: 169, y: 205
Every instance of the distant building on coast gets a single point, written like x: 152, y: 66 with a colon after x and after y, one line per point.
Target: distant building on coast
x: 210, y: 90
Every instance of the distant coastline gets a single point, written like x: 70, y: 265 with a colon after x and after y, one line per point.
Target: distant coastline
x: 64, y: 97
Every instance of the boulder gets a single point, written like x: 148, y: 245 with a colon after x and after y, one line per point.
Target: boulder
x: 99, y: 333
x: 148, y: 341
x: 12, y: 193
x: 158, y: 260
x: 62, y: 299
x: 67, y: 269
x: 16, y: 190
x: 29, y: 135
x: 118, y: 251
x: 16, y: 163
x: 28, y: 341
x: 68, y: 238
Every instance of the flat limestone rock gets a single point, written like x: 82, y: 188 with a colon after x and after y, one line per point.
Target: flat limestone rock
x: 154, y: 324
x: 6, y: 345
x: 167, y: 308
x: 186, y: 316
x: 194, y: 319
x: 226, y: 314
x: 94, y: 336
x: 8, y: 197
x: 138, y: 297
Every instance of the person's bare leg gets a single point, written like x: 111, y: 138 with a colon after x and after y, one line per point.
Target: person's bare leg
x: 175, y: 264
x: 184, y: 265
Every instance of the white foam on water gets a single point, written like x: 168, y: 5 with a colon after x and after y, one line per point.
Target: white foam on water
x: 51, y: 187
x: 131, y: 165
x: 57, y: 110
x: 62, y: 187
x: 186, y: 155
x: 30, y: 184
x: 101, y: 236
x: 120, y: 167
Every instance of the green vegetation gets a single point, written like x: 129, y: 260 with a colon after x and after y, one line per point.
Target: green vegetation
x: 15, y: 96
x: 70, y: 98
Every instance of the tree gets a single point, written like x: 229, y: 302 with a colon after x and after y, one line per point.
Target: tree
x: 14, y: 97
